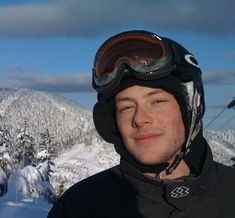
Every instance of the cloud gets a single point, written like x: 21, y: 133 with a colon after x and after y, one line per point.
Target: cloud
x: 87, y: 18
x: 220, y: 77
x: 68, y: 83
x: 82, y: 82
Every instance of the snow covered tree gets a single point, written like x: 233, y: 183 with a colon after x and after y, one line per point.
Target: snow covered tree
x: 45, y: 154
x: 26, y: 145
x: 31, y: 184
x: 46, y: 148
x: 6, y: 163
x: 61, y: 188
x: 3, y: 182
x: 46, y: 169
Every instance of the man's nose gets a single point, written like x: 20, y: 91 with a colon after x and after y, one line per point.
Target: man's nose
x: 141, y: 117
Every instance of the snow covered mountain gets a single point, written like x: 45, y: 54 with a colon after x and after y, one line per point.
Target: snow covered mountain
x: 80, y: 152
x: 65, y: 120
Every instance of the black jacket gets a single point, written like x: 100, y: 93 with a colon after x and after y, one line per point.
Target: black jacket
x: 123, y: 192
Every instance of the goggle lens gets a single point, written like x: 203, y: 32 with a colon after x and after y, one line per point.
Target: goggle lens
x: 142, y: 51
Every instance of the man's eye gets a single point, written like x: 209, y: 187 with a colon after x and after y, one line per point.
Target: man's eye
x: 125, y: 109
x: 158, y: 101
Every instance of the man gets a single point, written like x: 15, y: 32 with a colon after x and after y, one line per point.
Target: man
x: 150, y: 106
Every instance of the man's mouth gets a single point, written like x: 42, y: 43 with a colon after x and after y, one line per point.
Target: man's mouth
x: 146, y: 137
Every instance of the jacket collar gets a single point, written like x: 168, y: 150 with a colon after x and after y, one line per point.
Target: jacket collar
x: 174, y: 192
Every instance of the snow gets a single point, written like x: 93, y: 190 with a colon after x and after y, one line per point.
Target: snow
x: 81, y: 161
x: 24, y: 209
x: 15, y: 204
x: 7, y: 102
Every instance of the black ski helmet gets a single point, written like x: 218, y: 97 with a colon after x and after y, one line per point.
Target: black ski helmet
x: 183, y: 80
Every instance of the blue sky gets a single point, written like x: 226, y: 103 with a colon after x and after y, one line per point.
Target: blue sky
x: 50, y: 45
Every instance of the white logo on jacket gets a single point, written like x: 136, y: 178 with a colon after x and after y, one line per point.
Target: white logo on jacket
x: 180, y: 192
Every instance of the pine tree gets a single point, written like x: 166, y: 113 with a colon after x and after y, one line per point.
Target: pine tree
x: 46, y: 146
x: 27, y: 151
x: 61, y: 188
x: 45, y: 154
x: 6, y: 163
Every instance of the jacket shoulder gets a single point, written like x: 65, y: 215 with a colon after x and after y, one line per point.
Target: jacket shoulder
x: 225, y: 173
x: 93, y: 195
x: 105, y: 179
x: 224, y: 168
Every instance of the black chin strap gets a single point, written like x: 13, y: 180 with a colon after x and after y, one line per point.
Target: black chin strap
x: 175, y: 163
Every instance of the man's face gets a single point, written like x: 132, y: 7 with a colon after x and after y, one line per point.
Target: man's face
x: 150, y: 123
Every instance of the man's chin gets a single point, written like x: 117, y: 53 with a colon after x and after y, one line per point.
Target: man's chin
x: 147, y: 161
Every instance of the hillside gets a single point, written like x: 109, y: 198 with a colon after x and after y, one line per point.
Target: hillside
x: 66, y: 121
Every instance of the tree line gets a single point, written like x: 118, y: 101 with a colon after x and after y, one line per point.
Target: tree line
x: 21, y: 151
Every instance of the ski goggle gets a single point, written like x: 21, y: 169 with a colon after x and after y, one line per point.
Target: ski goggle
x: 140, y: 52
